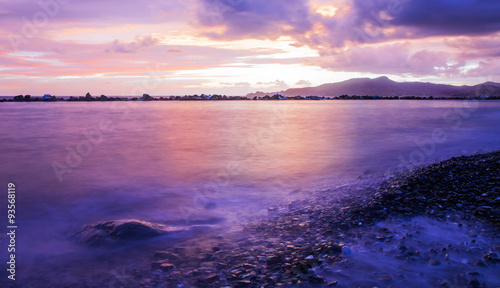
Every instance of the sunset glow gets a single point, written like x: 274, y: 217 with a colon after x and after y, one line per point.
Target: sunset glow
x: 236, y: 47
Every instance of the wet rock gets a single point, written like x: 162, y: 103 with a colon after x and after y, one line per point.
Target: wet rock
x: 480, y: 264
x: 385, y: 277
x: 112, y: 232
x: 434, y: 262
x: 157, y: 264
x: 166, y: 267
x: 346, y: 251
x: 165, y: 255
x: 473, y: 283
x: 444, y: 284
x: 491, y: 258
x: 316, y: 279
x: 212, y: 278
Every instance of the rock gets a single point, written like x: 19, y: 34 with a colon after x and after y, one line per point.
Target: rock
x: 272, y: 210
x: 112, y: 232
x: 434, y: 262
x: 474, y: 283
x: 444, y: 284
x: 480, y: 264
x: 164, y: 255
x: 166, y: 267
x: 316, y: 279
x: 156, y: 265
x: 346, y: 251
x: 385, y: 277
x: 333, y: 284
x: 212, y: 278
x: 18, y: 98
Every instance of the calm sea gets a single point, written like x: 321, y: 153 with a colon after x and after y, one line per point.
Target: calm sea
x: 210, y: 163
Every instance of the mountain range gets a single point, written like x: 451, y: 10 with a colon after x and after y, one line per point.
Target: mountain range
x: 384, y: 86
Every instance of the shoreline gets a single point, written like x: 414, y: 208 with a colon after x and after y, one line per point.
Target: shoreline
x: 299, y: 247
x: 404, y: 230
x: 203, y: 97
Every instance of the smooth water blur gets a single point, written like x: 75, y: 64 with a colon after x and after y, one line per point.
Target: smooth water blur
x: 183, y: 163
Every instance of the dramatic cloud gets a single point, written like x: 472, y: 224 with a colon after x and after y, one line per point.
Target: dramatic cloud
x: 238, y: 46
x: 259, y: 19
x: 445, y: 17
x: 388, y: 59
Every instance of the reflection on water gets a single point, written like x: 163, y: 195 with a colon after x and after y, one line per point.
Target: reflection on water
x: 211, y: 162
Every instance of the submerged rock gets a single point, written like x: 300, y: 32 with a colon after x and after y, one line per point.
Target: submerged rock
x: 111, y: 232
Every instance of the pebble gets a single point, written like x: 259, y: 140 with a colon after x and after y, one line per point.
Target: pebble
x: 385, y: 277
x: 434, y: 262
x: 291, y: 247
x: 166, y: 267
x: 346, y: 251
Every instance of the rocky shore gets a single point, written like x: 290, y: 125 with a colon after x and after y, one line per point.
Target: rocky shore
x: 318, y: 242
x: 435, y: 226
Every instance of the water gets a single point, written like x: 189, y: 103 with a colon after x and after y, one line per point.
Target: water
x: 210, y: 163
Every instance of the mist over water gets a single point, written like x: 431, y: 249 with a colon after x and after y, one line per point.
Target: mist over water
x: 210, y: 163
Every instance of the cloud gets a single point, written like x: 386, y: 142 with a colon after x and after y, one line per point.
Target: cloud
x: 259, y: 19
x: 476, y: 47
x: 445, y: 17
x: 237, y: 84
x: 358, y: 21
x: 96, y: 12
x: 135, y: 46
x: 275, y: 85
x: 438, y: 38
x: 387, y: 59
x: 304, y: 83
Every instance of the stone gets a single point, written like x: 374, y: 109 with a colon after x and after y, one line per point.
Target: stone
x: 112, y: 232
x: 385, y: 277
x: 346, y: 251
x: 212, y: 277
x: 167, y: 267
x: 434, y: 262
x: 165, y: 255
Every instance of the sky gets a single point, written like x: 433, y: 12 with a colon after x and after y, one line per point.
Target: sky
x: 234, y: 47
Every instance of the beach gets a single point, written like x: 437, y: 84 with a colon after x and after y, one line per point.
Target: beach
x: 254, y: 193
x: 310, y: 244
x: 435, y: 226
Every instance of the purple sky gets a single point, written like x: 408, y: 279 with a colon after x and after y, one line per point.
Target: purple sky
x: 69, y: 47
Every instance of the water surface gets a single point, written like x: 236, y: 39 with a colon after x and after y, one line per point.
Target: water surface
x: 216, y: 163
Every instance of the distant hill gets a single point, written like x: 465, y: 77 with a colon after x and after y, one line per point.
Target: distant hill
x: 384, y: 86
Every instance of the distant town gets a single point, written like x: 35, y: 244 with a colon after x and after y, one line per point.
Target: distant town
x: 215, y: 97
